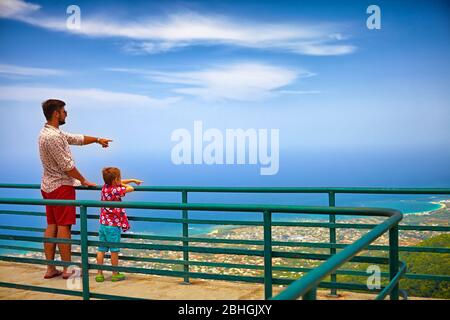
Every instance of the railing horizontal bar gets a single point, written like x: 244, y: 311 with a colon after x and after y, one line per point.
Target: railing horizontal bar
x: 328, y: 225
x: 295, y: 255
x: 190, y: 221
x: 316, y: 256
x: 275, y: 223
x: 38, y: 239
x: 348, y: 286
x: 243, y: 266
x: 233, y: 251
x: 260, y: 189
x: 371, y: 247
x: 224, y: 222
x: 195, y: 221
x: 44, y: 262
x: 248, y: 242
x: 424, y: 228
x: 39, y: 261
x: 31, y: 229
x: 181, y: 262
x: 22, y: 213
x: 21, y: 248
x: 150, y: 237
x: 424, y: 249
x: 177, y: 248
x: 330, y: 285
x: 153, y: 260
x: 63, y: 291
x: 178, y: 273
x: 190, y: 262
x: 200, y: 240
x: 151, y: 271
x: 40, y: 289
x: 434, y: 277
x: 363, y: 211
x: 112, y: 297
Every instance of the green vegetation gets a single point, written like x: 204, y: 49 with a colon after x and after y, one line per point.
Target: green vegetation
x: 418, y: 263
x: 428, y: 263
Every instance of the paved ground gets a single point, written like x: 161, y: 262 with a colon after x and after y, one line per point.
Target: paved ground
x: 142, y: 286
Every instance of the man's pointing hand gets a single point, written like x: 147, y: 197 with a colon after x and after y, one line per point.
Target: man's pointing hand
x: 104, y: 142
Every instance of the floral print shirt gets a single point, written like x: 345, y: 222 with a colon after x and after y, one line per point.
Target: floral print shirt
x: 56, y: 157
x: 116, y: 217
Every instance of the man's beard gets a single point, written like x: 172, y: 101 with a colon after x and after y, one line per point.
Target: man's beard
x: 61, y: 122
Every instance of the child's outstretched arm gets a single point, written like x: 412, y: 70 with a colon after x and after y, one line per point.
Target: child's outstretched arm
x: 136, y: 181
x: 128, y: 187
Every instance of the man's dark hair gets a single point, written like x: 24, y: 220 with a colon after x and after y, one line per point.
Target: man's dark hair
x: 51, y: 105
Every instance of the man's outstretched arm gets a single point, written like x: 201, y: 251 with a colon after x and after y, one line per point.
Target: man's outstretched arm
x: 103, y: 141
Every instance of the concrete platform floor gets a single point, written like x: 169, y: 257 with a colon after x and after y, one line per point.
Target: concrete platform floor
x: 141, y: 286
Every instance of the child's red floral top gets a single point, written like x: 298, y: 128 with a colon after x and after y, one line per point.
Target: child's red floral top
x: 116, y: 217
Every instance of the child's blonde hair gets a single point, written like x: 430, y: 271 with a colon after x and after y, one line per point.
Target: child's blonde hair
x: 110, y: 174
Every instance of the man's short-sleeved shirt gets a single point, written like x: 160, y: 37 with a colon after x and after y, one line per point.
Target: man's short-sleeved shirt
x: 56, y: 157
x: 116, y: 217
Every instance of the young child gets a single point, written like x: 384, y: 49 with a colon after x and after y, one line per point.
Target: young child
x: 113, y: 220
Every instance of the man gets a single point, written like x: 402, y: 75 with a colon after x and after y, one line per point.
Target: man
x: 59, y: 178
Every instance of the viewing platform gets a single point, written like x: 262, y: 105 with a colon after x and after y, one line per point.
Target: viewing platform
x: 147, y: 287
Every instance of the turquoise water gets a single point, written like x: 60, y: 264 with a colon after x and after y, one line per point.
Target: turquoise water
x: 405, y: 206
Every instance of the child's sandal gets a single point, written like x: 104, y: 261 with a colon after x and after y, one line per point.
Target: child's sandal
x: 100, y: 278
x: 117, y: 277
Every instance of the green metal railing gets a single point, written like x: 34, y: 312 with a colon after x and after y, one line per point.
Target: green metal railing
x: 267, y: 253
x: 313, y: 278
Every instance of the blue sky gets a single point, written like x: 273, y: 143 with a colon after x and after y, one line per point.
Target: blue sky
x: 342, y: 96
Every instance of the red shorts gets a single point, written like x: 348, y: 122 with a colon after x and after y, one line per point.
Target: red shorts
x: 60, y: 215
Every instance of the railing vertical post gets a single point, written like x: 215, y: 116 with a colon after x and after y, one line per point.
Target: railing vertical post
x: 311, y: 294
x: 267, y: 254
x: 393, y: 259
x: 184, y: 199
x: 332, y: 219
x: 84, y: 252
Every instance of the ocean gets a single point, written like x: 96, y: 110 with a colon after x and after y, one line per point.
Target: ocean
x: 320, y: 169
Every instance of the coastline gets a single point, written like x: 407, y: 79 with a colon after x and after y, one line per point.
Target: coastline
x: 442, y: 205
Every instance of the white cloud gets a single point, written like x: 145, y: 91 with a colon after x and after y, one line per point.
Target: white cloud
x: 82, y: 97
x: 16, y: 8
x: 162, y: 34
x: 320, y: 49
x: 245, y: 81
x: 299, y: 91
x: 153, y: 47
x: 14, y: 70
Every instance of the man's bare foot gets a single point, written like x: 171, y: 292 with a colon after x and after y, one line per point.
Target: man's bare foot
x: 52, y: 274
x: 75, y: 273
